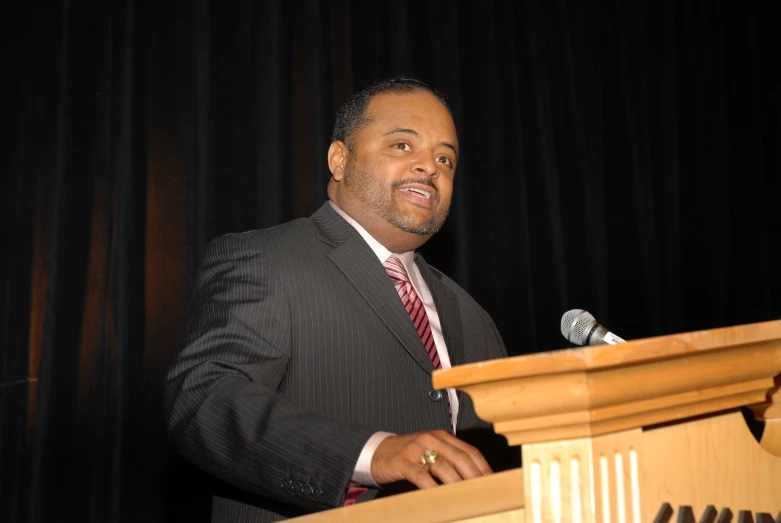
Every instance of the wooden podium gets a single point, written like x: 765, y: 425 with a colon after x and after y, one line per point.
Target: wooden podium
x: 647, y: 431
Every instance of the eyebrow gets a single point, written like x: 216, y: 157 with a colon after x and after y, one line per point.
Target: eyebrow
x: 413, y: 132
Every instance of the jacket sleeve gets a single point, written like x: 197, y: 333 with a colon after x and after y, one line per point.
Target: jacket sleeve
x: 222, y: 408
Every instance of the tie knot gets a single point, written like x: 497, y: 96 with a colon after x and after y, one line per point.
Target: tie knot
x: 395, y: 268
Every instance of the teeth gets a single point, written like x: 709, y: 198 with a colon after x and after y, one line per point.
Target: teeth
x: 417, y: 191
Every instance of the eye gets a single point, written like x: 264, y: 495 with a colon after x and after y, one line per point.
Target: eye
x: 445, y: 160
x: 402, y: 146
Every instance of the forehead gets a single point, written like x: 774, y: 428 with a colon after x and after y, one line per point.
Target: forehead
x: 420, y: 111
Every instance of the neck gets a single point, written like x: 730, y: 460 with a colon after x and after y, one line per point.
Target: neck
x: 392, y: 238
x: 395, y: 240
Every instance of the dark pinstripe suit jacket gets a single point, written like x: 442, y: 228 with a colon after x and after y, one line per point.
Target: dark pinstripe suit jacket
x: 297, y: 350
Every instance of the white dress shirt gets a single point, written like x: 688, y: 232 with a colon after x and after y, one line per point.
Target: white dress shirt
x: 362, y: 474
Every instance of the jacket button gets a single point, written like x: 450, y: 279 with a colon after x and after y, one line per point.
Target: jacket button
x: 435, y: 395
x: 307, y: 490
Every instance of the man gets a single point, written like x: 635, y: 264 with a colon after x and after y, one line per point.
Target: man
x: 305, y: 380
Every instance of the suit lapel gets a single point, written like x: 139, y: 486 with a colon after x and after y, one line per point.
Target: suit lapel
x: 360, y: 266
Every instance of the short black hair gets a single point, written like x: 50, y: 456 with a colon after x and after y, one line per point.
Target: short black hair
x: 351, y: 116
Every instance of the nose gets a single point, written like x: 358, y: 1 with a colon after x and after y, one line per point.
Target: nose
x: 424, y: 163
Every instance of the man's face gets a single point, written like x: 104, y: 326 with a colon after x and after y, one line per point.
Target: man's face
x: 401, y: 164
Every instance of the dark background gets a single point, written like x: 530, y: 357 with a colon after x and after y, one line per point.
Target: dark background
x: 622, y: 157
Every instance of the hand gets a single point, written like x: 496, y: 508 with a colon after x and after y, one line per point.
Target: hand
x: 398, y: 458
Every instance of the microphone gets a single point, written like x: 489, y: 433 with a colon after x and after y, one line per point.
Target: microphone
x: 580, y: 328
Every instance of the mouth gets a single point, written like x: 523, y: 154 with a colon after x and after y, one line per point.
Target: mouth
x: 423, y: 196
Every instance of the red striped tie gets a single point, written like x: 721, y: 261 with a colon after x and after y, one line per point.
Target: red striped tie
x: 417, y: 313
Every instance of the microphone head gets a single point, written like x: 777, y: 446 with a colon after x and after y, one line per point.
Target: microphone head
x: 576, y: 324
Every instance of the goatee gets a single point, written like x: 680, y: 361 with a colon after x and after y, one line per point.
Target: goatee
x: 367, y: 189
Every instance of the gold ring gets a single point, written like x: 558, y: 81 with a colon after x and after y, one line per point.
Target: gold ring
x: 428, y: 458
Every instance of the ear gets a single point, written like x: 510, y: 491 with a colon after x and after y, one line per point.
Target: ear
x: 338, y: 154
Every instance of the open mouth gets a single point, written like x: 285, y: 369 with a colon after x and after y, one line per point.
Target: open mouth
x: 417, y: 193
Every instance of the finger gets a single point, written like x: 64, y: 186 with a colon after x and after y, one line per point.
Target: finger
x: 412, y: 468
x: 418, y: 476
x: 444, y: 471
x: 468, y: 461
x: 449, y: 448
x: 475, y: 455
x: 460, y: 461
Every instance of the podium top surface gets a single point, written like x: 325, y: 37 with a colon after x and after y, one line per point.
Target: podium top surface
x: 609, y: 388
x: 607, y: 356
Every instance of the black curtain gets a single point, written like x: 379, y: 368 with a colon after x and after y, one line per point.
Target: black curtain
x: 622, y: 157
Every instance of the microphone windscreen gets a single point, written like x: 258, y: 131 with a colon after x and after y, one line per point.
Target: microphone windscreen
x: 576, y: 324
